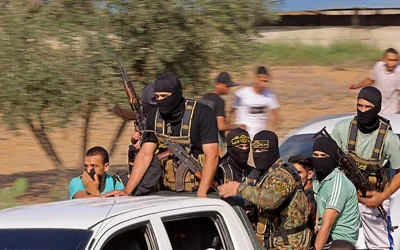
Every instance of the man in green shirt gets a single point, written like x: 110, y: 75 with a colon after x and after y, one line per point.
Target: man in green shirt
x: 370, y: 142
x: 336, y: 197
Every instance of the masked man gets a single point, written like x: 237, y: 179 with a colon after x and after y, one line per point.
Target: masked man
x: 337, y: 209
x: 233, y: 166
x: 278, y: 195
x: 149, y: 181
x: 193, y: 125
x: 370, y: 142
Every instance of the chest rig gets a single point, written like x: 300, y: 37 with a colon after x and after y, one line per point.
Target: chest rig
x: 175, y: 176
x: 229, y: 175
x: 271, y: 222
x: 371, y: 167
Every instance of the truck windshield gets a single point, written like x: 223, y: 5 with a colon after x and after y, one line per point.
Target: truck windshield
x: 44, y: 239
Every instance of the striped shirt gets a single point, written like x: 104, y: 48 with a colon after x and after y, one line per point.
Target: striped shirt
x: 252, y: 108
x: 338, y: 193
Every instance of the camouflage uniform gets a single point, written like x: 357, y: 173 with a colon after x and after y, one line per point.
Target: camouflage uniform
x: 278, y: 192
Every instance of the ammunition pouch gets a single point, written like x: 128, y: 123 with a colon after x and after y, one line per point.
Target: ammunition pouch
x: 265, y: 232
x: 376, y: 174
x: 177, y: 177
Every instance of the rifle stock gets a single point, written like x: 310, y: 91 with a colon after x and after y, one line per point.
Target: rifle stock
x: 359, y: 179
x: 123, y: 113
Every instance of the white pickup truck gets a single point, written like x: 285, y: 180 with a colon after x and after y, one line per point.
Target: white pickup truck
x: 130, y: 223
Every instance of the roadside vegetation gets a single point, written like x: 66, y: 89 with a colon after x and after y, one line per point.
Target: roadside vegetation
x: 340, y: 54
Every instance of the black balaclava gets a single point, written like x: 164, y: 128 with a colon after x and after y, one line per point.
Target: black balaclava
x: 147, y: 97
x: 172, y: 107
x: 368, y: 121
x: 238, y: 156
x: 324, y: 166
x: 265, y: 140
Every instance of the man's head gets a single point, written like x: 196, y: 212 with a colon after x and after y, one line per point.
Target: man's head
x: 324, y: 157
x: 238, y: 146
x: 168, y: 95
x: 96, y: 158
x: 262, y: 78
x: 223, y: 83
x: 147, y: 98
x: 304, y: 167
x: 368, y: 107
x: 341, y: 245
x: 265, y: 150
x: 391, y: 58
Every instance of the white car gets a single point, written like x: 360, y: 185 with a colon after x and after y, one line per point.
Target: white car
x: 130, y: 223
x: 301, y: 141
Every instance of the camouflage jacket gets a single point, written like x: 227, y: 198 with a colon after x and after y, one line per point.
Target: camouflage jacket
x: 270, y: 192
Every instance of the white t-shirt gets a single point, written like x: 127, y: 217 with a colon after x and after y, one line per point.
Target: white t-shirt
x: 252, y: 108
x: 388, y: 83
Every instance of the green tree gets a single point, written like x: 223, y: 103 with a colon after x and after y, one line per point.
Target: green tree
x: 188, y: 38
x: 57, y: 63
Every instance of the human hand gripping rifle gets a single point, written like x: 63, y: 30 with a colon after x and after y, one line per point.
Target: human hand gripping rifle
x: 358, y: 178
x: 183, y: 160
x: 136, y: 115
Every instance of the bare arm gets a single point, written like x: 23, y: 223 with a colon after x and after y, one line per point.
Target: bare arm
x: 223, y: 126
x: 375, y: 198
x: 83, y: 194
x: 366, y: 82
x: 275, y: 119
x: 394, y: 185
x: 91, y: 187
x: 232, y: 114
x: 328, y: 219
x: 210, y: 165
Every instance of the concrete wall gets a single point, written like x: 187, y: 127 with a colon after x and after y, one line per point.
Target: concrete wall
x: 381, y: 37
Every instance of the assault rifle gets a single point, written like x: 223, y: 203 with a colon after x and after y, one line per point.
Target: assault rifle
x: 136, y: 114
x: 358, y: 178
x: 184, y: 160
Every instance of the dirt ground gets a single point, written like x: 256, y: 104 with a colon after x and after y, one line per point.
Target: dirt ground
x: 304, y: 93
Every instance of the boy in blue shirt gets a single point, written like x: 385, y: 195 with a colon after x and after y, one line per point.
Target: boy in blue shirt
x: 94, y: 180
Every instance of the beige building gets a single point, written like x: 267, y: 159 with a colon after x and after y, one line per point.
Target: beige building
x: 377, y: 27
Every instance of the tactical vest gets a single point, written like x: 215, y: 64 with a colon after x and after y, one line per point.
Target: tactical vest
x: 228, y: 174
x: 370, y: 166
x: 271, y: 223
x: 176, y: 177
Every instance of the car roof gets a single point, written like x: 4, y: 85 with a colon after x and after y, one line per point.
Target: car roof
x: 330, y: 121
x: 85, y: 213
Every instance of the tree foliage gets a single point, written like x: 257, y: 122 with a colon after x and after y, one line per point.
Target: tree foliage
x: 56, y: 57
x: 188, y: 38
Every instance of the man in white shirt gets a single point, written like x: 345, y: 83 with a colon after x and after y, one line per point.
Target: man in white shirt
x: 252, y: 103
x: 385, y: 76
